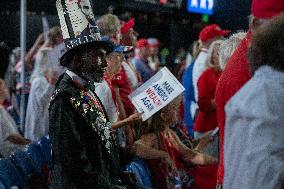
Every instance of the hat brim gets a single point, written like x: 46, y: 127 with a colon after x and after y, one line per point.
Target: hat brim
x: 107, y: 46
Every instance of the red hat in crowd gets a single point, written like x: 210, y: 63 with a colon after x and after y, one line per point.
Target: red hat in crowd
x: 153, y: 42
x: 211, y: 31
x: 142, y: 43
x: 267, y: 8
x: 127, y: 26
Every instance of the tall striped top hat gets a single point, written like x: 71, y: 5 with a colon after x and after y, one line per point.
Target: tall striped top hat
x: 78, y: 23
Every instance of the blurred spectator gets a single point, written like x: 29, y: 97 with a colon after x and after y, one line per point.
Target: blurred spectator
x: 154, y: 60
x: 10, y: 77
x: 207, y: 35
x: 24, y: 88
x: 105, y: 90
x: 10, y: 140
x: 37, y: 124
x: 254, y: 120
x: 109, y: 95
x: 196, y: 48
x: 180, y: 63
x: 141, y: 60
x: 129, y: 35
x: 163, y: 151
x: 109, y: 25
x: 43, y: 56
x: 189, y: 101
x: 129, y: 38
x: 237, y: 73
x: 206, y: 119
x: 43, y: 79
x: 228, y: 47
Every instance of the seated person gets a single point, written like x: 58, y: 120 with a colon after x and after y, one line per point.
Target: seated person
x: 164, y: 152
x: 10, y: 138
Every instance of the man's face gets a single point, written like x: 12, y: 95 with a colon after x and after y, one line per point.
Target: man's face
x: 114, y: 62
x: 133, y: 36
x: 86, y: 9
x: 59, y: 39
x: 130, y: 38
x: 145, y: 52
x: 94, y: 67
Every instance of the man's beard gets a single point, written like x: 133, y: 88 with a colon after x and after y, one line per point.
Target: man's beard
x: 91, y: 74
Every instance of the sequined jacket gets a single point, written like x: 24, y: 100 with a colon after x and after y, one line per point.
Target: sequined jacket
x: 83, y: 151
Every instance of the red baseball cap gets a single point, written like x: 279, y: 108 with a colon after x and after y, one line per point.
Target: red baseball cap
x: 127, y: 26
x: 267, y: 8
x: 211, y: 31
x: 142, y: 43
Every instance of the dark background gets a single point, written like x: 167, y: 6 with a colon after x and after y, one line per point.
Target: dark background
x: 172, y: 25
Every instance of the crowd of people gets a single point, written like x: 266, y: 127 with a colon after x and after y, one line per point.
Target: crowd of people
x: 225, y: 131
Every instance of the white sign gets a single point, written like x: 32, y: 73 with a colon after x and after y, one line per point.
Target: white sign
x: 200, y: 6
x: 156, y: 93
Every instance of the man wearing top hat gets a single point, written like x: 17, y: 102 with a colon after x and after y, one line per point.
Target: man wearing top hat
x: 84, y: 151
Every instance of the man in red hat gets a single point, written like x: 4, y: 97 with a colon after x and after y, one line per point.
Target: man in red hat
x: 129, y: 38
x: 237, y: 73
x: 141, y: 60
x: 128, y: 34
x: 207, y: 36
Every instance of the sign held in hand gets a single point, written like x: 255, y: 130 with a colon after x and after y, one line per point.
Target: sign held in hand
x: 156, y: 93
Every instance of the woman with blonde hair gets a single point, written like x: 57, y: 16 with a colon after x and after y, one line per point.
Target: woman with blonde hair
x: 228, y: 47
x: 164, y: 152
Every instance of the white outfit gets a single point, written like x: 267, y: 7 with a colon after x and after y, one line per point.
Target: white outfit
x: 48, y: 59
x: 154, y: 62
x: 7, y: 127
x: 188, y: 60
x: 198, y: 68
x: 42, y: 62
x: 254, y: 133
x: 131, y: 74
x: 37, y: 120
x: 104, y: 93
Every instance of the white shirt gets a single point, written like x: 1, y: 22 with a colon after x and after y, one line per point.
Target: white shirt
x: 198, y: 68
x: 154, y: 62
x: 188, y: 60
x: 37, y: 120
x: 131, y: 74
x: 104, y: 93
x: 48, y: 58
x: 7, y: 127
x: 254, y: 133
